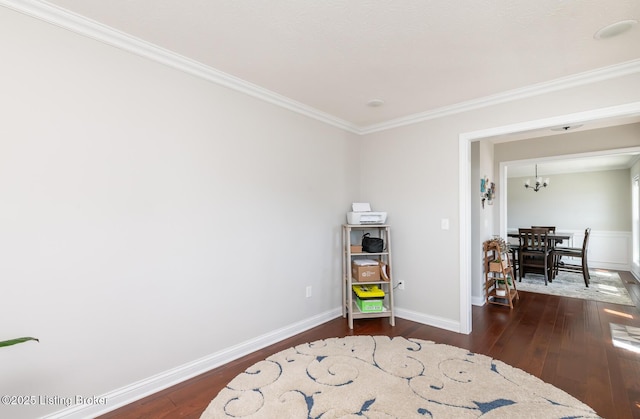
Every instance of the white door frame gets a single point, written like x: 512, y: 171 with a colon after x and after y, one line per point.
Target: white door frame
x: 465, y: 182
x: 635, y: 226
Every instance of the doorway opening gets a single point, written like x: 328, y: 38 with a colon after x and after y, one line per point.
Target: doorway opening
x: 466, y: 240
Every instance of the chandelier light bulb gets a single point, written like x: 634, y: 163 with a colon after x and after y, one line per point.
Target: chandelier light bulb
x: 539, y: 182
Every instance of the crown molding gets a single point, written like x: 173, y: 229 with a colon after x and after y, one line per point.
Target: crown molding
x: 97, y: 31
x: 575, y: 80
x: 83, y: 26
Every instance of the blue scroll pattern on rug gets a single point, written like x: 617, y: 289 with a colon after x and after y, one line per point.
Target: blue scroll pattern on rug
x: 383, y: 377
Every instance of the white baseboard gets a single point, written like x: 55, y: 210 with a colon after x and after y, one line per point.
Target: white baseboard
x: 136, y: 391
x: 478, y: 301
x: 609, y: 266
x: 440, y: 322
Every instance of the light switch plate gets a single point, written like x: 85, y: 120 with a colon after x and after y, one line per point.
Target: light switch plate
x: 444, y: 224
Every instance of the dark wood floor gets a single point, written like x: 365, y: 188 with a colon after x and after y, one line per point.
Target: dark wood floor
x: 564, y: 341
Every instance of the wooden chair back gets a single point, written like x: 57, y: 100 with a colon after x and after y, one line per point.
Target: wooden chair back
x: 585, y: 242
x: 550, y: 229
x: 533, y: 239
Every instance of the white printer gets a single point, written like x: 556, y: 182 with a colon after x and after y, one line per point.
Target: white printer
x: 361, y: 214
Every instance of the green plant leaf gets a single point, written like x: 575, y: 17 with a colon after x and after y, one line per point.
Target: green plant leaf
x: 16, y: 341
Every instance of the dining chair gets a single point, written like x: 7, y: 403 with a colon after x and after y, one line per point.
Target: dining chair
x: 575, y: 252
x: 552, y: 244
x: 514, y: 249
x: 534, y: 253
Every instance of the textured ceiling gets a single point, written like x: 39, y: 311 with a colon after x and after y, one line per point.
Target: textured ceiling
x: 415, y: 55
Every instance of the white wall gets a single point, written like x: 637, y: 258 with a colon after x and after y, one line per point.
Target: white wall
x: 573, y: 201
x: 150, y: 218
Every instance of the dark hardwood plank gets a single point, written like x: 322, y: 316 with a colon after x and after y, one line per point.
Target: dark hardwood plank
x: 564, y: 341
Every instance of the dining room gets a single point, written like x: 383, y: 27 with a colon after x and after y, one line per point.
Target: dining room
x: 587, y: 177
x: 571, y: 222
x: 589, y: 192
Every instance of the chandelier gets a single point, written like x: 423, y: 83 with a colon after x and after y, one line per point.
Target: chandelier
x: 539, y: 182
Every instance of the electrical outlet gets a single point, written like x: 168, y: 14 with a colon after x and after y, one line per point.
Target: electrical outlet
x: 400, y: 285
x: 308, y: 291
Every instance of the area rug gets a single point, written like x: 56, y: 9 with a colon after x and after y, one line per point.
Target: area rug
x: 604, y: 286
x: 383, y: 377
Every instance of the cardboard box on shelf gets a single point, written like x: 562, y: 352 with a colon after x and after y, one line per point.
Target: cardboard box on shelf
x: 356, y: 249
x: 364, y: 271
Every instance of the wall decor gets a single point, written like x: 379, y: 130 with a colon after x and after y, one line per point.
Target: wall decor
x: 487, y: 191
